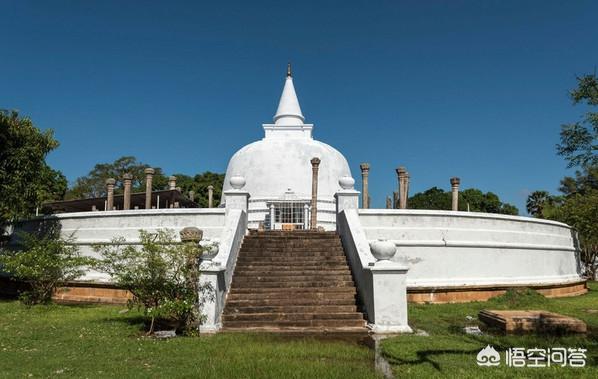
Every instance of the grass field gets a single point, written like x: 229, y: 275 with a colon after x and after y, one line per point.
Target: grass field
x: 449, y: 352
x: 60, y: 341
x: 99, y: 342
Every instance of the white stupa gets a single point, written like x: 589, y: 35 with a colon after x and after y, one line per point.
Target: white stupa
x: 278, y: 171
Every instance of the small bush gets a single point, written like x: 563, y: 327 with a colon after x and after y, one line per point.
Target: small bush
x: 518, y: 298
x: 43, y: 262
x: 162, y: 275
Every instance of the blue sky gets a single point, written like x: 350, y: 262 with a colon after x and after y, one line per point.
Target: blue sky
x: 475, y: 89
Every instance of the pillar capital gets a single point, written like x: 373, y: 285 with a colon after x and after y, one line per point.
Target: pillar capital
x: 128, y: 177
x: 110, y: 182
x: 315, y: 162
x: 455, y: 181
x: 149, y: 171
x: 365, y: 168
x: 401, y: 171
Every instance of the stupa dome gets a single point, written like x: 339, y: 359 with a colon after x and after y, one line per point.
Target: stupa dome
x: 280, y: 162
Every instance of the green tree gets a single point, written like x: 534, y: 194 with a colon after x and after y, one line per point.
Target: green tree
x: 578, y: 206
x: 470, y: 199
x: 162, y: 275
x: 581, y: 212
x: 536, y: 201
x: 27, y: 180
x: 579, y: 140
x: 199, y: 185
x: 433, y: 198
x: 43, y: 261
x: 94, y: 183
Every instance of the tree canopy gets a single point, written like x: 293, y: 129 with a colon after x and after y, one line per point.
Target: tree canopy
x: 578, y: 204
x: 27, y: 180
x: 579, y: 140
x: 470, y: 199
x: 94, y: 183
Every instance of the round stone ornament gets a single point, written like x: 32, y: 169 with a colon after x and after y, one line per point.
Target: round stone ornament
x: 383, y: 250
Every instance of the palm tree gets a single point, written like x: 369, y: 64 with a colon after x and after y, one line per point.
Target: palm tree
x: 536, y: 202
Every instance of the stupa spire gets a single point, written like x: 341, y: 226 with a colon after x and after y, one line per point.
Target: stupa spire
x: 289, y: 111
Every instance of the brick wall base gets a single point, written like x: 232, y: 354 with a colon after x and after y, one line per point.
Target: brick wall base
x: 106, y: 294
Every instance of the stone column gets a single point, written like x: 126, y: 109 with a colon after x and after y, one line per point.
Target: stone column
x: 192, y: 195
x: 172, y: 183
x: 401, y: 176
x: 127, y: 179
x: 395, y: 200
x: 110, y: 194
x: 455, y: 192
x: 388, y: 203
x: 407, y: 181
x: 149, y: 175
x: 365, y: 197
x: 210, y: 196
x: 271, y: 216
x: 315, y: 166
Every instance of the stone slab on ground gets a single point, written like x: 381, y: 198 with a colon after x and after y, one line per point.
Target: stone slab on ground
x: 519, y: 321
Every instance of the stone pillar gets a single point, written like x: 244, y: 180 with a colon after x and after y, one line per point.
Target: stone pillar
x: 407, y: 181
x: 455, y: 192
x: 401, y: 176
x: 305, y: 216
x: 192, y: 195
x: 110, y: 194
x: 149, y: 175
x: 365, y: 197
x: 271, y: 216
x: 315, y: 166
x: 210, y: 196
x: 395, y: 200
x: 172, y: 183
x: 127, y: 179
x: 388, y: 203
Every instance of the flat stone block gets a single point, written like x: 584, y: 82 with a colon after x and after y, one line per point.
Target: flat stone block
x: 517, y: 321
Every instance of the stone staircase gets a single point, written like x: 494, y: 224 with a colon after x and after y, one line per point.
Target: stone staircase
x: 292, y: 281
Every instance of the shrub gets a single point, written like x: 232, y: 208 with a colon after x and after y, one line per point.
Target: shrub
x: 43, y: 261
x: 163, y: 276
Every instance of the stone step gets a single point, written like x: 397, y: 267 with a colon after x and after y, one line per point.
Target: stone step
x: 277, y: 271
x: 290, y: 244
x: 290, y: 254
x: 258, y: 301
x: 293, y: 284
x: 290, y: 260
x: 291, y: 235
x: 299, y: 324
x: 281, y: 316
x: 292, y: 248
x: 273, y: 292
x: 248, y: 267
x: 319, y: 277
x: 308, y: 308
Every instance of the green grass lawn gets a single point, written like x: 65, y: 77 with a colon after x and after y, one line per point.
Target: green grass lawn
x: 448, y: 351
x: 101, y: 341
x: 98, y: 341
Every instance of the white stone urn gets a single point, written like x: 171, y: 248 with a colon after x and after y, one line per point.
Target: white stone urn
x: 210, y: 249
x: 237, y: 182
x: 383, y: 250
x: 346, y: 182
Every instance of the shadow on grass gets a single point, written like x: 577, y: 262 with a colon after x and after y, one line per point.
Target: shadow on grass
x: 426, y: 357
